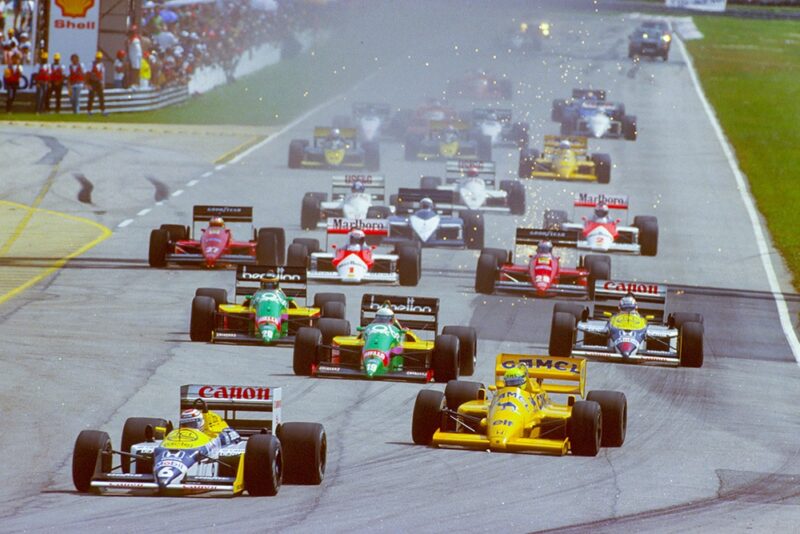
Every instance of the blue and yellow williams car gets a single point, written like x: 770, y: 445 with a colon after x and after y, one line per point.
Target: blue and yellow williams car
x: 447, y: 140
x: 247, y: 448
x: 334, y: 148
x: 517, y: 412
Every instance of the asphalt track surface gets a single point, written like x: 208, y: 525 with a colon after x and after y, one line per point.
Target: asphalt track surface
x: 711, y: 449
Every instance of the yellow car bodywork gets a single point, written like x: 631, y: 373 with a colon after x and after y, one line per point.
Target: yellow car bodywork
x: 411, y: 343
x: 295, y: 311
x: 558, y: 163
x: 524, y: 418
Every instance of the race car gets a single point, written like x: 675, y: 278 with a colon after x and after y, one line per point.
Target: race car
x: 216, y: 247
x: 599, y: 231
x: 355, y: 262
x: 334, y: 148
x: 629, y: 325
x: 565, y: 158
x: 448, y: 139
x: 247, y: 448
x: 498, y: 125
x: 370, y: 119
x: 651, y: 38
x: 268, y: 314
x: 385, y: 346
x: 542, y: 275
x: 353, y: 196
x: 518, y: 413
x: 479, y: 84
x: 420, y: 221
x: 417, y: 121
x: 589, y: 113
x: 525, y: 38
x: 475, y: 187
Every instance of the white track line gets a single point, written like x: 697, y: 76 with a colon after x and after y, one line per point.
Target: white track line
x: 124, y: 223
x: 177, y: 193
x: 206, y: 174
x: 191, y: 183
x: 144, y: 212
x: 755, y: 221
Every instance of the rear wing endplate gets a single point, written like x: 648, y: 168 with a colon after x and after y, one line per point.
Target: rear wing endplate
x: 293, y: 280
x: 246, y: 409
x: 414, y: 313
x: 559, y: 375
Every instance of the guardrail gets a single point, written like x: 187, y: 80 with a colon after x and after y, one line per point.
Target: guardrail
x: 125, y: 100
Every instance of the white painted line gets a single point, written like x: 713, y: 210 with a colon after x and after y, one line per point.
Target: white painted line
x: 749, y: 204
x: 206, y: 174
x: 191, y: 183
x: 144, y: 212
x: 160, y: 203
x: 124, y: 223
x: 219, y: 167
x: 177, y: 193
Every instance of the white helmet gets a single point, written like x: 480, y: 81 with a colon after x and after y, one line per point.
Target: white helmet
x: 192, y: 418
x: 384, y: 315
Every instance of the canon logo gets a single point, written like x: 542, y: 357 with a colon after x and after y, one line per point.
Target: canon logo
x: 234, y: 392
x: 632, y: 287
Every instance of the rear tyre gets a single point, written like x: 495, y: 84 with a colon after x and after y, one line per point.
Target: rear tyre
x: 430, y: 182
x: 585, y: 428
x: 263, y: 465
x: 408, y: 265
x: 330, y: 328
x: 305, y: 452
x: 562, y: 334
x: 88, y: 445
x: 379, y: 212
x: 267, y: 248
x: 557, y: 113
x: 427, y: 416
x: 280, y: 243
x: 133, y: 432
x: 467, y: 347
x: 527, y: 159
x: 486, y: 273
x: 220, y: 296
x: 297, y: 149
x: 691, y: 345
x: 321, y: 298
x: 473, y: 230
x: 457, y: 392
x: 602, y: 166
x: 553, y: 219
x: 515, y: 194
x: 333, y: 310
x: 629, y: 127
x: 310, y: 211
x: 201, y: 325
x: 614, y: 406
x: 311, y: 244
x: 445, y: 358
x: 157, y: 255
x: 599, y: 267
x: 177, y: 232
x: 297, y: 256
x: 304, y: 355
x: 648, y: 234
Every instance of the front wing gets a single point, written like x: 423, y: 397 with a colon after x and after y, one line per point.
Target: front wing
x: 335, y: 370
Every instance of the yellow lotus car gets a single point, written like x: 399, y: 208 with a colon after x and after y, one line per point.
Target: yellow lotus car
x: 518, y: 414
x: 334, y: 148
x: 565, y: 158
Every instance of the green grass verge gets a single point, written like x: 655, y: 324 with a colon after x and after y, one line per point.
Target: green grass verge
x: 748, y: 69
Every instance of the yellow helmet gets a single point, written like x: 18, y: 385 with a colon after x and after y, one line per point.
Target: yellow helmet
x: 44, y: 55
x: 516, y: 376
x: 523, y: 27
x: 57, y: 56
x: 98, y: 55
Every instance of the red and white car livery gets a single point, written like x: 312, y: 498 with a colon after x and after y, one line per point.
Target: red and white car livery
x: 353, y: 196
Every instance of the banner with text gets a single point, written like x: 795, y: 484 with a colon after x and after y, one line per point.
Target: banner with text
x: 74, y: 29
x: 698, y: 5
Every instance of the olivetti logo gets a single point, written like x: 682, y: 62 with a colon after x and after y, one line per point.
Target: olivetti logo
x: 75, y: 8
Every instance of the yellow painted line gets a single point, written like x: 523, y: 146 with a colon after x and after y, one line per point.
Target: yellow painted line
x: 229, y: 155
x: 26, y: 219
x: 105, y: 233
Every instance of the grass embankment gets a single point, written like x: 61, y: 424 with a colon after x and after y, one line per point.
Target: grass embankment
x: 749, y: 71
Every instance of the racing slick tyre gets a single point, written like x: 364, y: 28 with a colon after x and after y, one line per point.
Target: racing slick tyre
x: 457, y: 392
x: 266, y: 248
x: 572, y: 308
x: 691, y: 345
x: 557, y: 113
x: 501, y: 255
x: 280, y: 237
x: 681, y: 318
x: 602, y: 165
x: 297, y: 255
x: 562, y: 334
x: 527, y: 159
x: 486, y: 273
x: 157, y: 255
x: 330, y: 328
x: 342, y: 121
x: 177, y: 232
x: 520, y: 135
x: 585, y: 428
x: 648, y: 234
x: 372, y: 156
x: 133, y: 432
x: 553, y: 219
x: 297, y: 150
x: 263, y: 465
x: 618, y: 113
x: 333, y: 310
x: 409, y: 265
x: 379, y: 212
x: 473, y: 229
x: 304, y: 355
x: 412, y: 146
x: 427, y: 416
x: 321, y: 298
x: 467, y: 347
x: 445, y: 358
x: 310, y: 211
x: 505, y: 88
x: 614, y: 406
x: 305, y: 452
x: 515, y: 194
x: 311, y: 244
x: 88, y: 445
x: 430, y: 182
x: 202, y: 322
x: 599, y: 267
x: 629, y: 128
x: 484, y: 148
x: 220, y: 296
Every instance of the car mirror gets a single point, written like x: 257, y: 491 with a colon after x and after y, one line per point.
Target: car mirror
x: 649, y: 317
x: 360, y: 329
x: 492, y: 388
x: 607, y: 314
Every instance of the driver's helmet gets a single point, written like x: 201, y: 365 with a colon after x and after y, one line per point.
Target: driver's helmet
x: 472, y: 172
x: 601, y: 211
x: 627, y: 304
x: 450, y: 134
x: 384, y: 315
x: 192, y: 418
x: 426, y: 204
x: 357, y: 240
x: 545, y: 247
x: 523, y: 27
x: 218, y: 222
x: 516, y: 376
x: 270, y: 282
x: 358, y: 187
x: 335, y: 133
x: 564, y: 145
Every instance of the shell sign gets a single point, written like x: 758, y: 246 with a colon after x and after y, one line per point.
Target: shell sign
x: 74, y: 8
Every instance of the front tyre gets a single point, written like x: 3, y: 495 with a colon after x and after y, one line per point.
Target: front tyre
x: 427, y: 416
x: 263, y: 465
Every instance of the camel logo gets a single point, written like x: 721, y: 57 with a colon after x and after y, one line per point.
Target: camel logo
x: 74, y: 8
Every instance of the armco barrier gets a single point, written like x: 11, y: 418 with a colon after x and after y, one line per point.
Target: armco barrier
x: 124, y: 100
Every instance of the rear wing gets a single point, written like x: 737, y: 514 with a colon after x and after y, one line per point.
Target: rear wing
x: 503, y: 115
x: 408, y: 199
x: 381, y: 109
x: 650, y: 297
x: 321, y: 132
x: 558, y: 375
x: 578, y: 143
x: 596, y: 94
x: 457, y: 169
x: 293, y: 280
x: 374, y: 184
x: 231, y: 214
x: 530, y: 237
x: 434, y: 126
x: 591, y: 200
x: 246, y: 409
x: 414, y: 313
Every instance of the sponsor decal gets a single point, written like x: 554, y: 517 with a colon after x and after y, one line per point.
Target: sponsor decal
x: 171, y: 464
x: 367, y: 225
x: 632, y: 287
x: 590, y: 200
x: 74, y: 8
x: 363, y: 178
x: 502, y: 422
x: 543, y: 363
x: 279, y: 274
x: 408, y: 306
x: 368, y: 354
x: 234, y: 392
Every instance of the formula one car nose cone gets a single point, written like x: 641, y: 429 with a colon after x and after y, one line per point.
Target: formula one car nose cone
x: 600, y: 238
x: 370, y: 127
x: 352, y: 268
x: 492, y: 129
x: 473, y: 193
x: 425, y: 224
x: 356, y: 206
x: 599, y: 123
x: 626, y: 348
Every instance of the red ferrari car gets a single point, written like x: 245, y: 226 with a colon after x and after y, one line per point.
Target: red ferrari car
x: 543, y: 275
x: 216, y: 246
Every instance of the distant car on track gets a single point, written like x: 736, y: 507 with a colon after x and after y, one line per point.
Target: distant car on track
x: 498, y: 125
x: 565, y: 158
x: 588, y: 113
x: 353, y: 196
x: 334, y: 148
x: 651, y: 38
x: 448, y: 139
